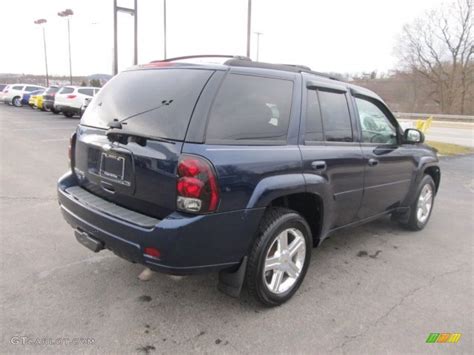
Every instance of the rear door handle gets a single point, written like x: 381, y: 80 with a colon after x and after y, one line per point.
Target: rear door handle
x: 319, y: 165
x: 373, y: 162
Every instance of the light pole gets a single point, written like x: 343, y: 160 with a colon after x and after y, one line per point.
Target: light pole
x: 258, y: 43
x: 133, y: 12
x: 164, y: 29
x: 249, y: 27
x: 41, y: 22
x: 66, y: 13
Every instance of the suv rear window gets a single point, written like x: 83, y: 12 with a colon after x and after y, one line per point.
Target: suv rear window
x: 66, y: 90
x: 140, y: 93
x: 88, y: 92
x: 251, y: 109
x: 51, y: 90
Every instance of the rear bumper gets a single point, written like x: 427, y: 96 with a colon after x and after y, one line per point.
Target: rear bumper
x: 67, y: 109
x: 188, y: 244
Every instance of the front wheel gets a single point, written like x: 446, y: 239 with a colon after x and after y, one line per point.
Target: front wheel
x: 68, y: 114
x: 16, y: 101
x: 280, y: 257
x: 420, y: 210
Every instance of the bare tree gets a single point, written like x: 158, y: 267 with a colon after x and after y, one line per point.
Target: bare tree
x: 439, y: 48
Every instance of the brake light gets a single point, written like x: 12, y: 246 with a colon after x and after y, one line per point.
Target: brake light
x: 197, y: 185
x: 71, y: 96
x: 153, y: 252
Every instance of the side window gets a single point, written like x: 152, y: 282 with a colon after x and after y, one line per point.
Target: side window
x: 88, y: 92
x: 31, y: 88
x: 17, y: 88
x: 336, y: 118
x: 67, y: 90
x: 251, y: 108
x: 375, y: 125
x: 314, y: 124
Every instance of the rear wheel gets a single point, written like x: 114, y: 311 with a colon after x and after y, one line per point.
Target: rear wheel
x: 420, y: 210
x: 280, y: 257
x: 68, y: 114
x: 16, y: 101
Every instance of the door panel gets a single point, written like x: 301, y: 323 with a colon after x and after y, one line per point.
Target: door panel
x: 388, y: 167
x: 328, y: 150
x: 344, y: 173
x: 387, y: 183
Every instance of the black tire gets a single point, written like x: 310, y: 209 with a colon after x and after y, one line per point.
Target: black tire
x: 68, y: 114
x: 16, y: 101
x: 56, y: 112
x: 275, y: 221
x: 414, y: 223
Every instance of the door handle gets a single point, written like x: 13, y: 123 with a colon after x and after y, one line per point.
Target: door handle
x: 318, y: 165
x: 373, y: 162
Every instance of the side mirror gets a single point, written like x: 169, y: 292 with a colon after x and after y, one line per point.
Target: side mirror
x: 413, y: 136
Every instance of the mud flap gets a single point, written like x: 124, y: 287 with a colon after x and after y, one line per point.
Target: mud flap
x: 401, y: 215
x: 231, y: 283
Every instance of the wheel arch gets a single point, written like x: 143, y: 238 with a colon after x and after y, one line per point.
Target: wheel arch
x: 307, y: 204
x: 435, y: 172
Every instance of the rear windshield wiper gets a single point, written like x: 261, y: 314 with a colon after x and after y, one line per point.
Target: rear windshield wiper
x: 117, y: 124
x: 124, y: 137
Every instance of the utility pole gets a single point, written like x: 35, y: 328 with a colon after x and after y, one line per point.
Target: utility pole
x: 164, y: 29
x: 133, y: 12
x: 258, y: 43
x: 42, y: 22
x: 66, y: 13
x: 249, y: 27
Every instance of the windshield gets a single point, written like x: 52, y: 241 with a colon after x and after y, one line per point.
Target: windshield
x: 137, y: 93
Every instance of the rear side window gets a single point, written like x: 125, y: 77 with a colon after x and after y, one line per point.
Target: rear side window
x: 51, y: 90
x: 31, y: 88
x: 157, y: 102
x: 17, y: 88
x: 336, y: 117
x: 88, y: 92
x: 250, y: 109
x: 66, y: 90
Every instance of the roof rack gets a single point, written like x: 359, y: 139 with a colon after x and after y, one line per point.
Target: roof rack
x: 242, y: 61
x: 239, y: 57
x: 284, y: 67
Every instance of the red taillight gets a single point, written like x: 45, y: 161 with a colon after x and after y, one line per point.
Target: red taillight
x: 71, y: 96
x: 153, y: 252
x: 196, y: 186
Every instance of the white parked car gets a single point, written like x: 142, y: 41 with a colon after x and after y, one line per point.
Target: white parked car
x: 3, y: 88
x: 69, y: 99
x: 13, y: 95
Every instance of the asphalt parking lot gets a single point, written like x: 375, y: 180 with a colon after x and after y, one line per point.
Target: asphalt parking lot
x: 373, y: 289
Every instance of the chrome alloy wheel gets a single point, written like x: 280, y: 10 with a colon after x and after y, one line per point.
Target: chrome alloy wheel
x: 425, y: 202
x: 284, y: 261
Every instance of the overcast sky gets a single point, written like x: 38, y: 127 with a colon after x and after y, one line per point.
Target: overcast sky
x: 332, y: 36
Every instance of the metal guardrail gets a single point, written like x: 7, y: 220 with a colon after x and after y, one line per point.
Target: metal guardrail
x: 436, y: 117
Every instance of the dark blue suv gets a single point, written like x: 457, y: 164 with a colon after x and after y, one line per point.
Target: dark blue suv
x: 241, y: 168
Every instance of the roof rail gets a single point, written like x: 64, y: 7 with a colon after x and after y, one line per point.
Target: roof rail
x: 284, y: 67
x: 238, y: 57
